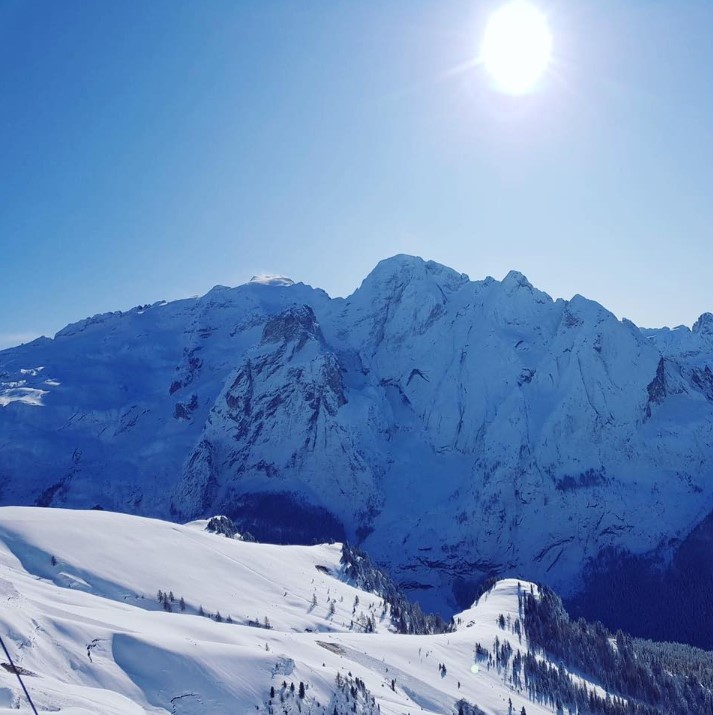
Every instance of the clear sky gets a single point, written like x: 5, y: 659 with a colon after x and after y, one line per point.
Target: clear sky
x: 150, y: 150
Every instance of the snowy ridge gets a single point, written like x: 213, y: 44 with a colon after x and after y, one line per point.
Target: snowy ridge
x: 492, y: 407
x: 78, y: 602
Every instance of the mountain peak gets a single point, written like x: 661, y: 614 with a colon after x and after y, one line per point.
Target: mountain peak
x: 269, y: 279
x: 402, y: 269
x: 515, y: 279
x: 704, y: 325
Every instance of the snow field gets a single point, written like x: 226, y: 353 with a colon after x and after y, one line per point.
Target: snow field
x: 79, y: 608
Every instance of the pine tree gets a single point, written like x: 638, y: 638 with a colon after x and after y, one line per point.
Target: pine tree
x: 302, y: 690
x: 182, y: 604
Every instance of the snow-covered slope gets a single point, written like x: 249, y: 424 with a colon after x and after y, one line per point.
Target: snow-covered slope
x: 457, y: 419
x: 80, y: 614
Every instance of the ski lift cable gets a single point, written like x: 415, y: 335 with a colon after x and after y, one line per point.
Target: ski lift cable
x: 15, y: 670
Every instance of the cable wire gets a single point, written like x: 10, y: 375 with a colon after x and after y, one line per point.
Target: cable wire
x: 17, y: 673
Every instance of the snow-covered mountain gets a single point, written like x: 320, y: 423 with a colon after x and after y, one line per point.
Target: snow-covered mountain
x: 455, y: 428
x: 79, y: 607
x: 121, y: 615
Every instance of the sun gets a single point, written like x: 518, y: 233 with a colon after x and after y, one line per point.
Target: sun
x: 516, y: 47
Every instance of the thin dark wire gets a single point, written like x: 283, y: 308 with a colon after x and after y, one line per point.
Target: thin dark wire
x: 17, y: 673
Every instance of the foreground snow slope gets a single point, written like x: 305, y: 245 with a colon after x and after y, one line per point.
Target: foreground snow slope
x: 493, y: 407
x: 79, y: 611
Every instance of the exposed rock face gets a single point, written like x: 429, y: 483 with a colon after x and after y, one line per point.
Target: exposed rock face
x: 279, y: 421
x: 457, y: 428
x: 221, y: 525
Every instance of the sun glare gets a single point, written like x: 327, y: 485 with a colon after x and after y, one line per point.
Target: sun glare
x: 516, y: 47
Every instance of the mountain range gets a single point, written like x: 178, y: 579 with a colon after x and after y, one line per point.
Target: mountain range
x: 454, y: 429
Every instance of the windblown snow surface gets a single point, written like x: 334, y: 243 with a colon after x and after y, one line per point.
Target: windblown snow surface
x: 79, y: 611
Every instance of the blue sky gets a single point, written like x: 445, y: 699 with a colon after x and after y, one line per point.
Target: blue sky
x: 150, y: 150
